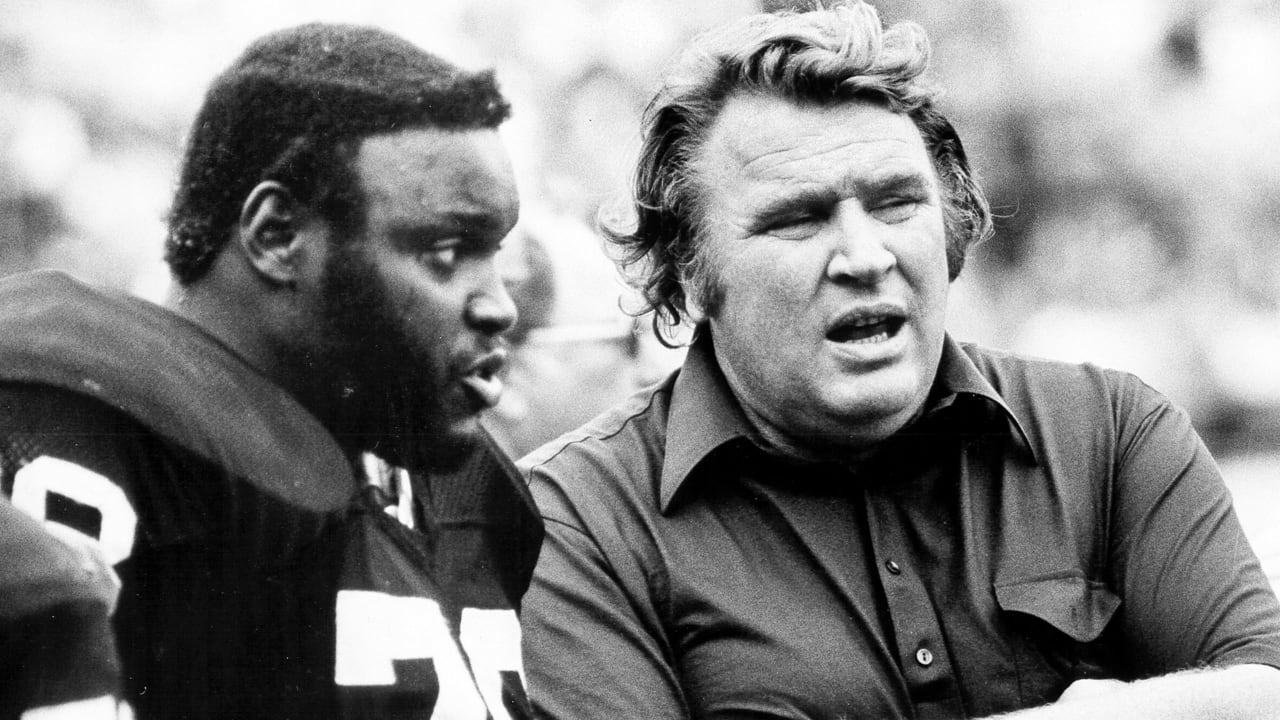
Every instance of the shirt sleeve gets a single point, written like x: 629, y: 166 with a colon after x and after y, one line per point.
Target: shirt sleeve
x: 1194, y: 592
x: 593, y: 644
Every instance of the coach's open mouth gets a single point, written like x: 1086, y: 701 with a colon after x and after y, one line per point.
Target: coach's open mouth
x: 866, y: 329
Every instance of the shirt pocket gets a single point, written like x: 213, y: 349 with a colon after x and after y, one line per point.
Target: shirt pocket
x: 1057, y: 626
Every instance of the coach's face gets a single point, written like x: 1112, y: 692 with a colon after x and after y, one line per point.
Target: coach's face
x: 824, y: 229
x: 416, y: 304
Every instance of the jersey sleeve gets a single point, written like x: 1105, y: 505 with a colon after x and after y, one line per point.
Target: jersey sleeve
x: 1194, y: 592
x: 67, y: 524
x: 81, y: 468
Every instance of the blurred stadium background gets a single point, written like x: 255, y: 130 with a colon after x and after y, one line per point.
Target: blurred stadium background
x: 1130, y: 147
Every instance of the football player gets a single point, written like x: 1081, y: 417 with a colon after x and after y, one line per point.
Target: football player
x: 284, y: 463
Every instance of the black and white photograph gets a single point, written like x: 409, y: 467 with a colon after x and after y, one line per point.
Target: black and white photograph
x: 639, y: 359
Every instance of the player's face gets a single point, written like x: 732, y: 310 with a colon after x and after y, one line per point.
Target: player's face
x: 416, y: 304
x: 826, y: 238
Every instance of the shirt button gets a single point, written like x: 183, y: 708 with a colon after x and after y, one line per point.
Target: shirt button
x: 924, y: 657
x: 893, y: 567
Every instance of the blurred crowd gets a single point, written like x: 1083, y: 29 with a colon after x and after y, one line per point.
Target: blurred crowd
x: 1130, y: 149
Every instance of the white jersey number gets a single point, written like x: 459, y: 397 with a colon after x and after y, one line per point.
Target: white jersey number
x: 100, y: 708
x: 374, y: 628
x: 35, y: 481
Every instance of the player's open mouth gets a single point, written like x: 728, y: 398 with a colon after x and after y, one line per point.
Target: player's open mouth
x: 481, y: 378
x: 865, y: 330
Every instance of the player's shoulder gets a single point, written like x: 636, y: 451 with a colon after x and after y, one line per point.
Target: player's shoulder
x: 40, y: 408
x: 66, y: 438
x: 71, y: 463
x: 174, y: 379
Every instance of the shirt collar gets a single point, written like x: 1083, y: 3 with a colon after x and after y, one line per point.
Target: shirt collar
x: 705, y: 415
x: 958, y: 377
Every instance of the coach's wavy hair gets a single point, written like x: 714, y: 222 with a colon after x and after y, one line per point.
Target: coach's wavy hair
x: 827, y: 55
x: 293, y: 108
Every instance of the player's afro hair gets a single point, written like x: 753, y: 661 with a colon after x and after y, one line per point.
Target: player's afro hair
x: 292, y: 108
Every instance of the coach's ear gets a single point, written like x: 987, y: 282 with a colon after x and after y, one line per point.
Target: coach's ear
x: 268, y: 232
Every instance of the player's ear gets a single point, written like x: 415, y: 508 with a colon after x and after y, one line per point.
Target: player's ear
x: 268, y: 232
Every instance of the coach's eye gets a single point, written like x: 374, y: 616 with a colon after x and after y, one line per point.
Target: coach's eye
x: 897, y: 209
x: 794, y: 220
x: 793, y: 226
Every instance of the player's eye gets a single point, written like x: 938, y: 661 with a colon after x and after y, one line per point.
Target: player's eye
x: 441, y: 256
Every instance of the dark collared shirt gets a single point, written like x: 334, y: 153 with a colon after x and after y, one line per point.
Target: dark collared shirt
x: 1041, y: 522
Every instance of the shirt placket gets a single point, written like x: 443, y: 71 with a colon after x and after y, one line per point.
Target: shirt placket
x: 926, y: 666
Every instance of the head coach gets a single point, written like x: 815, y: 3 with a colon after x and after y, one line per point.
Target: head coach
x: 834, y: 509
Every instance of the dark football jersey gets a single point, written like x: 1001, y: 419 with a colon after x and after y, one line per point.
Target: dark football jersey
x: 258, y: 578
